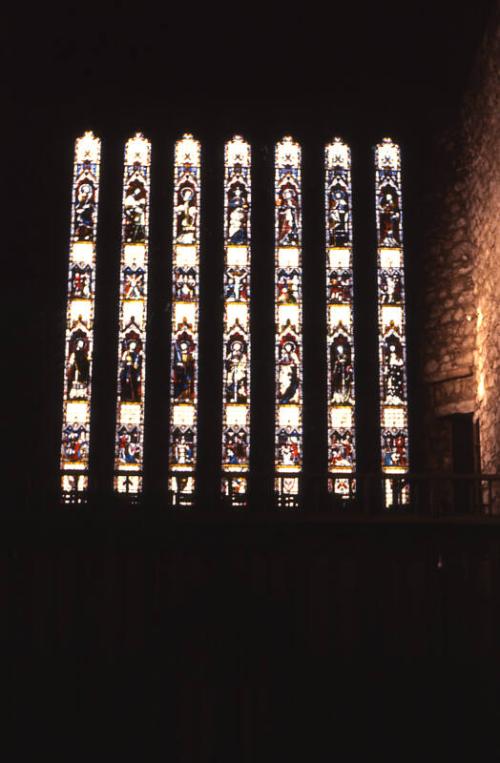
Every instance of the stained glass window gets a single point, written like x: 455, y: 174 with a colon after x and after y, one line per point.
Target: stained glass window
x: 391, y: 316
x: 80, y: 315
x: 339, y: 301
x: 185, y: 309
x: 236, y: 342
x: 129, y: 436
x: 288, y: 317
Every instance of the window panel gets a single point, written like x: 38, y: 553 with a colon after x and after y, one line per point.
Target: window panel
x: 288, y: 317
x: 185, y: 321
x: 129, y: 437
x: 80, y: 315
x: 236, y: 340
x: 339, y: 301
x: 391, y: 317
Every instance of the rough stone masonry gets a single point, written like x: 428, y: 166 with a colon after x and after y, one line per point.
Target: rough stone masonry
x: 461, y: 338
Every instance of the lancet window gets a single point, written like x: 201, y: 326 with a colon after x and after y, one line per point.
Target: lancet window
x: 80, y: 315
x: 129, y: 436
x: 339, y: 301
x: 185, y: 320
x: 391, y: 317
x: 236, y: 340
x: 288, y: 317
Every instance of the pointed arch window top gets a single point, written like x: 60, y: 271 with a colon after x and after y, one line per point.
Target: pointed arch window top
x: 288, y: 153
x: 138, y: 150
x: 237, y: 151
x: 338, y: 154
x: 88, y: 148
x: 187, y: 150
x: 387, y: 155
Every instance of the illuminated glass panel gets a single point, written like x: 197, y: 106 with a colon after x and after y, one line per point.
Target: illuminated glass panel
x: 185, y: 319
x: 288, y: 317
x: 339, y: 316
x: 129, y: 436
x: 236, y: 342
x: 391, y: 318
x: 80, y: 315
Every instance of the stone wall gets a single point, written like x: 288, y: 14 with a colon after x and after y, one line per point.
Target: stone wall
x: 483, y: 133
x: 461, y: 344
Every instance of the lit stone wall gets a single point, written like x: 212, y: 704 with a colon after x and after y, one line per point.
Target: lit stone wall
x: 461, y: 338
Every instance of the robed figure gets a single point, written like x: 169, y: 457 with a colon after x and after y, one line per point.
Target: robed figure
x: 237, y: 212
x: 185, y: 216
x: 183, y: 368
x: 389, y: 216
x: 134, y: 207
x: 131, y: 370
x: 394, y: 373
x: 78, y: 369
x: 288, y: 379
x: 236, y: 370
x: 84, y: 209
x: 341, y: 370
x: 288, y: 211
x: 338, y: 214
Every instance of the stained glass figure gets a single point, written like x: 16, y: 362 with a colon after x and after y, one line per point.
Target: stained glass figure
x: 236, y: 341
x: 185, y: 321
x: 129, y: 433
x: 80, y: 315
x: 391, y: 316
x: 339, y: 301
x: 288, y: 317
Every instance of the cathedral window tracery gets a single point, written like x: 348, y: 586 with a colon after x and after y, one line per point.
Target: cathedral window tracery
x: 74, y: 461
x: 185, y: 321
x: 129, y: 435
x: 391, y: 316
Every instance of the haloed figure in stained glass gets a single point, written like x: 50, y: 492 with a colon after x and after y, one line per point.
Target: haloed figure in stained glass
x: 289, y: 364
x: 236, y: 369
x: 184, y: 367
x: 389, y: 216
x: 78, y: 367
x: 341, y: 369
x: 288, y: 212
x: 237, y: 203
x: 131, y: 368
x: 134, y: 208
x: 394, y: 370
x: 185, y: 215
x: 338, y: 213
x: 85, y: 204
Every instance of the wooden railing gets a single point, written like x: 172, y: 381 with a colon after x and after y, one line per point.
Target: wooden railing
x: 431, y: 494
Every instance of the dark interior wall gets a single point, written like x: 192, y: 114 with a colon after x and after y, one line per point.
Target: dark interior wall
x: 256, y: 640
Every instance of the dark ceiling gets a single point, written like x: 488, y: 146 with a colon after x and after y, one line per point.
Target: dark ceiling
x: 405, y: 59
